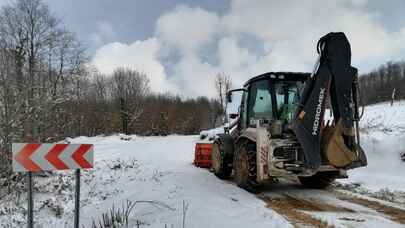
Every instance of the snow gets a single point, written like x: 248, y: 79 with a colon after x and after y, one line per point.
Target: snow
x: 383, y: 140
x: 370, y: 219
x: 167, y: 175
x: 211, y: 133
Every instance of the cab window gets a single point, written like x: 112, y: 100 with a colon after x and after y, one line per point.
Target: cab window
x: 259, y: 101
x: 287, y: 96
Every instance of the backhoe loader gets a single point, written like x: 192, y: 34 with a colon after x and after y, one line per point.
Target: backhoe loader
x: 280, y: 129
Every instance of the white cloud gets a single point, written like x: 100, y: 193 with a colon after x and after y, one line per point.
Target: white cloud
x: 140, y: 55
x: 286, y: 31
x: 231, y: 56
x: 187, y: 28
x: 290, y: 29
x: 194, y: 77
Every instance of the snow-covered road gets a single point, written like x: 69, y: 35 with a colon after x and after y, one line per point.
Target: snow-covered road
x: 165, y: 173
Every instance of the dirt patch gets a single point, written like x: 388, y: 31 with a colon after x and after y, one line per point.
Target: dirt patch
x: 292, y: 209
x: 313, y: 205
x: 395, y: 214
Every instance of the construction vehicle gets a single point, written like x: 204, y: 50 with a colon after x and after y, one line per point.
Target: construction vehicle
x: 280, y: 129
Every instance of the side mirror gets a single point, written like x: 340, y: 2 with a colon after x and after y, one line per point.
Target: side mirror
x: 233, y: 115
x: 229, y: 94
x: 229, y: 97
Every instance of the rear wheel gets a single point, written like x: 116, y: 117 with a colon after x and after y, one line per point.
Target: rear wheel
x: 245, y: 167
x: 221, y: 165
x: 319, y: 180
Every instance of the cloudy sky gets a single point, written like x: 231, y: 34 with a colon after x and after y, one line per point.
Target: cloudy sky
x: 183, y: 44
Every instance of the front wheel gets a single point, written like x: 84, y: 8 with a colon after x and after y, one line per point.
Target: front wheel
x: 318, y: 181
x: 245, y: 167
x: 221, y: 164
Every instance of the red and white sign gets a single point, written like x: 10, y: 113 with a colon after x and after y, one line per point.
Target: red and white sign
x: 45, y: 156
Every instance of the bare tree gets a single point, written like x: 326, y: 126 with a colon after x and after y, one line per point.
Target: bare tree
x: 39, y: 62
x: 223, y: 84
x: 129, y: 87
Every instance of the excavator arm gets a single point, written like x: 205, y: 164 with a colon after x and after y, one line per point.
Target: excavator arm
x: 333, y: 79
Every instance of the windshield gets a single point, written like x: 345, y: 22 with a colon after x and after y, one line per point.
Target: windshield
x: 260, y: 105
x: 287, y: 95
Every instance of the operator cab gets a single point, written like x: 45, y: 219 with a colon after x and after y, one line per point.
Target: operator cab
x: 271, y: 96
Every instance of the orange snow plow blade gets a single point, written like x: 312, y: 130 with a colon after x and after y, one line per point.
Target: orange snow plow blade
x: 202, y: 155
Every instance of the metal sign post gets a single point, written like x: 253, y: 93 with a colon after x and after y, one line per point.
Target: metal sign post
x: 30, y: 201
x: 77, y: 201
x: 35, y: 157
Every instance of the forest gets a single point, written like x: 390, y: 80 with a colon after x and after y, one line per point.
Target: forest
x: 385, y: 83
x: 49, y: 91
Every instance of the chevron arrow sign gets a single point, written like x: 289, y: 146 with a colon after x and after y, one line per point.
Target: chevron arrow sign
x: 45, y: 156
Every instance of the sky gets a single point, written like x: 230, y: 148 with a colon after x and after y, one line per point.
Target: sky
x: 182, y: 44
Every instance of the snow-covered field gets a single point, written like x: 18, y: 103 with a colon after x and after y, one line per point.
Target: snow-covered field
x: 383, y: 139
x: 154, y: 169
x: 166, y: 174
x: 160, y: 170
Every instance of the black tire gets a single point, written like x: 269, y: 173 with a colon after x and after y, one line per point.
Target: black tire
x: 245, y: 167
x: 221, y: 165
x: 318, y: 181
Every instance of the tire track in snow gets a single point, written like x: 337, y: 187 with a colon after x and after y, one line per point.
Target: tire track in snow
x: 293, y: 210
x: 328, y: 208
x: 393, y: 213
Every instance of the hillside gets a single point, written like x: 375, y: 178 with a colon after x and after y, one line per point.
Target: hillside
x: 383, y: 139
